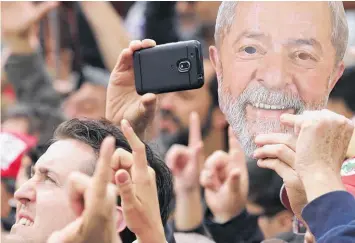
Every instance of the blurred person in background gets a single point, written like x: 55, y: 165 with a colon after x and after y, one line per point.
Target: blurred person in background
x: 21, y: 119
x: 176, y: 107
x: 7, y: 92
x: 179, y: 112
x: 174, y: 21
x: 342, y: 101
x: 33, y: 84
x: 8, y: 204
x: 181, y: 21
x: 342, y: 98
x: 185, y: 162
x: 264, y: 203
x: 197, y: 20
x: 14, y: 146
x: 39, y: 121
x: 89, y: 100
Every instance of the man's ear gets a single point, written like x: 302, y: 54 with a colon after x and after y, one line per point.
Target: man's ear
x: 121, y: 223
x: 285, y: 220
x: 215, y: 60
x: 337, y: 73
x: 218, y: 119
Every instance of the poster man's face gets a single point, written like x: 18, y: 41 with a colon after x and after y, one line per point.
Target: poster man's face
x: 277, y: 57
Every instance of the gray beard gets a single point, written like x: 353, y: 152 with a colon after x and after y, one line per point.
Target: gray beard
x: 235, y: 113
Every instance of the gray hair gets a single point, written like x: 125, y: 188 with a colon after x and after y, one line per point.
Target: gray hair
x: 339, y: 36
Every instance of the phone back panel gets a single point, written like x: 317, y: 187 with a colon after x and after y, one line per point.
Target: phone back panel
x: 156, y: 69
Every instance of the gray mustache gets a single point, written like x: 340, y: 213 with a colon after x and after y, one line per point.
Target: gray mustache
x: 260, y: 94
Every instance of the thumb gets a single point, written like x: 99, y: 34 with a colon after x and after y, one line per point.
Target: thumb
x: 147, y: 106
x: 125, y: 188
x: 144, y: 114
x: 233, y: 180
x: 42, y: 9
x: 149, y: 101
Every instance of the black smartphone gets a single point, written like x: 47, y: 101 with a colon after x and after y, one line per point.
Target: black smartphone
x: 169, y: 67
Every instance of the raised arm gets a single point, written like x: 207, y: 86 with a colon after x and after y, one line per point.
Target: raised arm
x: 25, y: 66
x: 109, y: 30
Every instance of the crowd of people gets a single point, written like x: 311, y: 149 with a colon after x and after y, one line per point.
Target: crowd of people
x: 263, y: 152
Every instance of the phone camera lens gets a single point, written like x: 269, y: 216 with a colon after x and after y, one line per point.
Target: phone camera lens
x: 184, y: 66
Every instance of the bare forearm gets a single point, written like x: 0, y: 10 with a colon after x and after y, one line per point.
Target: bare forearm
x: 21, y: 45
x: 157, y: 236
x: 321, y: 182
x: 31, y: 81
x: 109, y: 30
x: 189, y: 211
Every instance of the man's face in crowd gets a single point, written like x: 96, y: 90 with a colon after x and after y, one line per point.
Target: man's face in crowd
x: 271, y: 226
x: 193, y: 14
x: 16, y: 124
x: 277, y: 58
x: 43, y: 204
x: 175, y: 107
x: 88, y: 102
x: 339, y: 106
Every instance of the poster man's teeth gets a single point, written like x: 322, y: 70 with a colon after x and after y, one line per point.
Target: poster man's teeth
x: 268, y: 107
x: 25, y: 222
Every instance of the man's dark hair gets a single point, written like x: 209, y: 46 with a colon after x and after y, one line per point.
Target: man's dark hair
x: 344, y: 89
x: 264, y: 189
x: 213, y: 89
x: 93, y: 132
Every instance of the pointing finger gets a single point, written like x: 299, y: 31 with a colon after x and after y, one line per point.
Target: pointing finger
x: 194, y: 130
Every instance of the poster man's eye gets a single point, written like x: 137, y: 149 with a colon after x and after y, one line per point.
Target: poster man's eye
x: 304, y: 56
x: 250, y: 50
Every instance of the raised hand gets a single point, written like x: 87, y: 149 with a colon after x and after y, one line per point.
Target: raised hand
x: 137, y: 187
x: 122, y: 101
x: 225, y: 179
x: 18, y: 20
x: 185, y: 163
x: 323, y: 140
x: 94, y: 202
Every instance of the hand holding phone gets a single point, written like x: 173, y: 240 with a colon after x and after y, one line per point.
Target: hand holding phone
x: 169, y: 67
x: 122, y: 100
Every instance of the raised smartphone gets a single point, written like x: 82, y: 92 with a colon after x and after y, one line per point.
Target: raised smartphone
x: 169, y: 67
